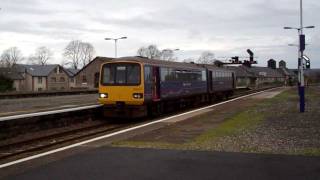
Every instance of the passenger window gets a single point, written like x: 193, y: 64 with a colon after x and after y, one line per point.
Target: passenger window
x: 133, y: 74
x: 147, y: 74
x: 204, y: 76
x: 108, y: 73
x: 121, y: 75
x: 164, y: 72
x: 170, y: 75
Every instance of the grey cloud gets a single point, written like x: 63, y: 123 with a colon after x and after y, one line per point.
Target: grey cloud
x: 31, y: 7
x: 256, y: 24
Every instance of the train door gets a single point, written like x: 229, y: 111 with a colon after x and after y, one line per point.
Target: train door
x: 210, y: 81
x: 234, y: 81
x: 156, y: 84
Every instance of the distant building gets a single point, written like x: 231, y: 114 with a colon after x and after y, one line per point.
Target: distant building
x: 244, y: 79
x: 266, y: 75
x: 88, y: 76
x: 15, y: 76
x: 72, y: 81
x: 51, y: 77
x: 312, y: 76
x: 290, y: 77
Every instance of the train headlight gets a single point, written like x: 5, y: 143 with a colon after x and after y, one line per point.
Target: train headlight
x: 137, y: 95
x: 105, y: 95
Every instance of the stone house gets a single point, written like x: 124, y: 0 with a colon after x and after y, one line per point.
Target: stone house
x: 72, y: 81
x: 266, y: 75
x: 244, y: 79
x: 88, y: 76
x: 51, y: 77
x: 290, y: 77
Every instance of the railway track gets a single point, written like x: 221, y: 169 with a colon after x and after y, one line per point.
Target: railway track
x: 47, y: 142
x: 18, y: 149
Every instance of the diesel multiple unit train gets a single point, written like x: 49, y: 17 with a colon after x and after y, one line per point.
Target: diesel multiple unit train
x: 137, y: 86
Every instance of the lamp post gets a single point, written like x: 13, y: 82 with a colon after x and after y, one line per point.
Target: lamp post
x: 172, y: 49
x: 115, y: 44
x: 167, y: 54
x: 300, y: 58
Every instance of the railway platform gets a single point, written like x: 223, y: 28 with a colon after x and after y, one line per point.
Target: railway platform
x: 18, y: 106
x: 128, y: 163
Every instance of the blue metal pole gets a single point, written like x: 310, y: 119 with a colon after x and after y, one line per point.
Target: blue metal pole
x: 301, y: 73
x: 302, y: 98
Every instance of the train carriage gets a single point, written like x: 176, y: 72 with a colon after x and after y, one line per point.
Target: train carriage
x: 136, y: 86
x: 221, y: 82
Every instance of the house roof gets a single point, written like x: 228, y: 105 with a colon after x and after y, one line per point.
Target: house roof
x: 71, y: 72
x: 11, y: 73
x: 213, y: 67
x: 240, y: 71
x: 37, y: 70
x: 286, y: 71
x: 98, y: 58
x: 264, y: 71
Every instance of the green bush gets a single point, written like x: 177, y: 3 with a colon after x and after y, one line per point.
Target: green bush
x: 6, y: 84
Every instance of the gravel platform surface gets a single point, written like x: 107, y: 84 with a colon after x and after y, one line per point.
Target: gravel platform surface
x: 284, y: 129
x: 268, y: 123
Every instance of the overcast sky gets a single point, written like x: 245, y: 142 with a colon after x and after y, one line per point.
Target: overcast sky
x: 226, y: 28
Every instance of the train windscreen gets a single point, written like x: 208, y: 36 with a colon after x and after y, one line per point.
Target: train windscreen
x: 121, y: 74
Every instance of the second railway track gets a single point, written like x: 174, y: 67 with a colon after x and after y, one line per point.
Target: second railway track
x: 46, y: 142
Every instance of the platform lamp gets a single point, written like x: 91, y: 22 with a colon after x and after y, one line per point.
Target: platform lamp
x: 115, y: 43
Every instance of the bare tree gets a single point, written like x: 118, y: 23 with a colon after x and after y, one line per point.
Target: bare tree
x: 11, y: 57
x: 151, y: 52
x: 41, y: 56
x: 142, y: 52
x: 73, y: 53
x: 2, y: 64
x: 189, y: 60
x: 78, y: 53
x: 167, y: 55
x: 207, y: 57
x: 87, y: 53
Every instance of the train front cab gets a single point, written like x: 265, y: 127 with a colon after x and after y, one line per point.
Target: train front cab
x: 121, y: 89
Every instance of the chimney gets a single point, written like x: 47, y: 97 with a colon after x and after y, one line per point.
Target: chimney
x: 272, y: 64
x: 282, y: 64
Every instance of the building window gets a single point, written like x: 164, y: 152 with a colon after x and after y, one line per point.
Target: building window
x: 84, y: 79
x: 39, y: 80
x: 53, y: 79
x: 62, y: 79
x: 72, y: 80
x: 56, y: 70
x: 39, y: 89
